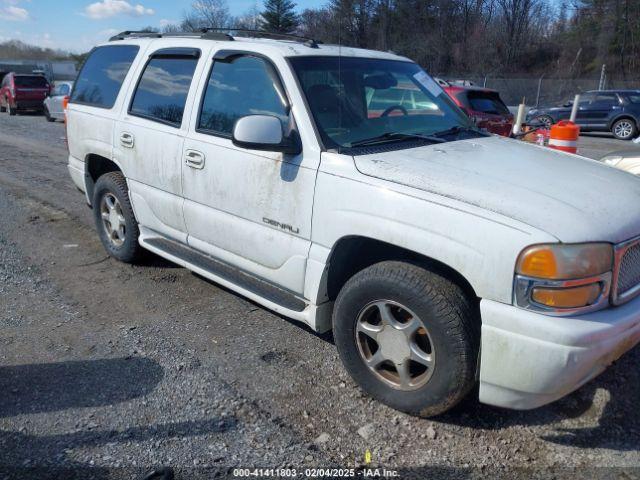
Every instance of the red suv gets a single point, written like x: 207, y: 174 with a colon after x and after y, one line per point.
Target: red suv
x: 484, y: 106
x: 23, y: 92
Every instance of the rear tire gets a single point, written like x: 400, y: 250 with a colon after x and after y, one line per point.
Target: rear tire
x: 3, y: 108
x: 624, y: 129
x: 114, y: 218
x: 12, y: 111
x: 48, y: 115
x: 438, y: 367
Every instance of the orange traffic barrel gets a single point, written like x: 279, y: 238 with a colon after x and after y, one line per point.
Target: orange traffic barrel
x: 564, y: 136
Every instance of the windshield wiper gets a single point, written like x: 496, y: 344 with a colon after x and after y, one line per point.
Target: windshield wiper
x: 392, y: 136
x: 456, y: 130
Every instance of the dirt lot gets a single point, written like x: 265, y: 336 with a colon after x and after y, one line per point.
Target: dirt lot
x: 114, y: 368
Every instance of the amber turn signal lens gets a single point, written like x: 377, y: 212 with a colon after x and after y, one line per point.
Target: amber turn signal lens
x: 565, y: 261
x: 574, y: 297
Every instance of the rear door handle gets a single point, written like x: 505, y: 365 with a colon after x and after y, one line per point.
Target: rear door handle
x: 126, y: 140
x: 194, y: 159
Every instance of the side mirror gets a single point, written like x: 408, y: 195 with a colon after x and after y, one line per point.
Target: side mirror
x: 568, y: 104
x: 264, y: 132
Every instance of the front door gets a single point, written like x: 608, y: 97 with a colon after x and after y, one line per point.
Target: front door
x: 150, y: 138
x: 251, y: 209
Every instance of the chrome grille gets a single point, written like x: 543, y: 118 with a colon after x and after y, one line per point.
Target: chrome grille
x: 629, y: 275
x: 627, y: 271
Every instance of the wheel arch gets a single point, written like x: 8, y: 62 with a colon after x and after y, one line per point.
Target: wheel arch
x: 354, y: 253
x: 96, y: 166
x: 622, y: 116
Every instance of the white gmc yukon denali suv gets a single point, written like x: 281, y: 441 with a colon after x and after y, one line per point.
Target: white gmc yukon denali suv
x: 342, y: 188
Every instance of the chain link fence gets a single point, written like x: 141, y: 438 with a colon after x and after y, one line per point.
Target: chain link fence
x: 540, y: 91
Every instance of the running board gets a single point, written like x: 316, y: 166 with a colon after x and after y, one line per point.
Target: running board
x: 224, y: 271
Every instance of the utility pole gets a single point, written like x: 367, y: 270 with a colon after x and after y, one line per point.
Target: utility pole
x: 603, y: 77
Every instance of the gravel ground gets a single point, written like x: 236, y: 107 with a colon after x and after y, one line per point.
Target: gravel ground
x: 107, y: 370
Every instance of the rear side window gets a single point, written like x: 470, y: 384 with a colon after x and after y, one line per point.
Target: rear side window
x: 102, y: 75
x: 244, y: 86
x: 31, y: 82
x: 163, y: 88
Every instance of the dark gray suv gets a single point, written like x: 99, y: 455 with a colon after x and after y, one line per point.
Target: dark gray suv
x: 615, y: 111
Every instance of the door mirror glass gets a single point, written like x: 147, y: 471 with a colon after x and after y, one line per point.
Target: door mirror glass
x: 264, y: 132
x: 568, y: 103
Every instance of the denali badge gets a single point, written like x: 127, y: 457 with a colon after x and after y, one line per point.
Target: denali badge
x: 283, y: 226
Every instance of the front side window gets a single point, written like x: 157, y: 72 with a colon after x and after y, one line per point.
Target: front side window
x: 359, y: 100
x: 607, y: 99
x: 239, y: 87
x: 102, y: 75
x: 163, y: 88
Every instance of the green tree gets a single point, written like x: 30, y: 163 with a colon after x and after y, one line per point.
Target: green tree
x: 279, y: 16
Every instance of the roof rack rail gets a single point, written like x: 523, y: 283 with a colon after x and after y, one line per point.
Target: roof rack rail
x: 135, y: 34
x: 309, y: 42
x: 218, y: 34
x: 199, y: 34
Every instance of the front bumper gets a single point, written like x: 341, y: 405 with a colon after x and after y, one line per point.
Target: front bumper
x: 529, y: 359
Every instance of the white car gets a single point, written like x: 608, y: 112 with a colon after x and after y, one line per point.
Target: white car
x: 439, y: 255
x: 627, y: 160
x: 53, y: 104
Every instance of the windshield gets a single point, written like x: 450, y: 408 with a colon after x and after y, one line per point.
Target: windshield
x: 356, y: 99
x: 31, y: 82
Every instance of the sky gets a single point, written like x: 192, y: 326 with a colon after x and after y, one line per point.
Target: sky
x: 78, y: 25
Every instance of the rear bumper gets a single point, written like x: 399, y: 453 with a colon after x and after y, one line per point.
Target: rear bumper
x: 529, y: 360
x: 76, y: 171
x: 29, y: 104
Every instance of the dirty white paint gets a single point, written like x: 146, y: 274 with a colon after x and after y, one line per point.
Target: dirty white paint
x: 473, y: 205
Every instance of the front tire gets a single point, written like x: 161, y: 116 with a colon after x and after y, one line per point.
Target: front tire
x: 12, y: 111
x: 409, y: 337
x: 114, y: 218
x: 624, y: 129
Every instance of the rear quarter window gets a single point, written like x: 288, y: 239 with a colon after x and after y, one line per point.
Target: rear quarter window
x: 102, y: 75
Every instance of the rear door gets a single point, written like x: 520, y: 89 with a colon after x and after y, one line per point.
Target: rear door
x: 150, y: 133
x: 605, y: 106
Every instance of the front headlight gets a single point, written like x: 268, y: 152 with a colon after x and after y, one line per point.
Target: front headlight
x: 612, y: 161
x: 564, y: 278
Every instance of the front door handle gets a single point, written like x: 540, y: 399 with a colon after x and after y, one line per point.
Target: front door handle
x: 126, y: 140
x: 194, y: 159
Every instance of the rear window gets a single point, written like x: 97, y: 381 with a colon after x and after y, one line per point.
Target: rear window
x: 26, y: 81
x: 102, y: 75
x: 487, y: 102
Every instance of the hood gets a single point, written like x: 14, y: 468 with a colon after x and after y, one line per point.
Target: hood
x: 570, y: 197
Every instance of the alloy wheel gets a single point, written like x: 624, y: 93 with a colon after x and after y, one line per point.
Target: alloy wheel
x: 395, y: 345
x: 113, y: 220
x: 623, y: 129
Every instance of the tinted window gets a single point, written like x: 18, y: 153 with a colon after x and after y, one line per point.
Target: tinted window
x: 102, y: 75
x: 634, y: 98
x: 487, y: 102
x: 31, y: 82
x: 607, y: 99
x: 587, y: 98
x: 245, y: 86
x: 163, y: 89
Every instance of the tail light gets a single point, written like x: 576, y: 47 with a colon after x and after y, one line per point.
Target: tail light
x: 65, y: 105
